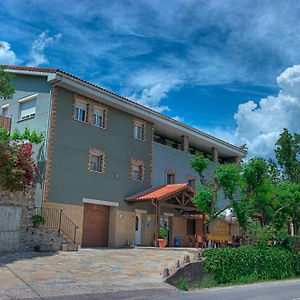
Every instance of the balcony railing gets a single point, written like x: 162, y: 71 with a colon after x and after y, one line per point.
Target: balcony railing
x: 56, y: 219
x: 5, y: 122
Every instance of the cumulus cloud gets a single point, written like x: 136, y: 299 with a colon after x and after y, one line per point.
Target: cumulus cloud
x: 259, y: 125
x: 7, y: 55
x: 178, y: 118
x: 37, y: 55
x: 152, y: 86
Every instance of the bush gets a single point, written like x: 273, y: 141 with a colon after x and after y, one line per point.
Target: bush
x: 295, y: 243
x: 231, y: 264
x: 296, y: 263
x: 38, y: 219
x: 182, y: 284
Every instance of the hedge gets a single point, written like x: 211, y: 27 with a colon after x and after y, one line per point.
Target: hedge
x: 230, y: 264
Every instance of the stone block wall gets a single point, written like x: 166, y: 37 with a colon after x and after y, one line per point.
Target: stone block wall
x: 29, y: 236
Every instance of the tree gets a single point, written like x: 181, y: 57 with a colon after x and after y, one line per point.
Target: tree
x: 287, y: 206
x: 225, y: 176
x: 287, y: 154
x: 257, y: 191
x: 6, y: 90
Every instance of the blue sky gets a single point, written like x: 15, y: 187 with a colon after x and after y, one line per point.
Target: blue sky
x: 210, y: 64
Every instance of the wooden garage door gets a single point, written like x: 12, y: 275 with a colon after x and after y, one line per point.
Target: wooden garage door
x: 95, y: 225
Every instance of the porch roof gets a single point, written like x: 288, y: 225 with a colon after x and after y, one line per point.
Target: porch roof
x: 160, y: 193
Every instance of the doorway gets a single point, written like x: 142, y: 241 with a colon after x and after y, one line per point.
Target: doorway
x: 138, y: 228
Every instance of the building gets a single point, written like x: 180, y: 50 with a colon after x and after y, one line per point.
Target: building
x: 106, y: 160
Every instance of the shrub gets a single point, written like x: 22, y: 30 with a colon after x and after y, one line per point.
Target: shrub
x: 296, y: 263
x: 182, y: 284
x: 231, y: 264
x: 295, y: 243
x: 38, y: 219
x: 17, y: 167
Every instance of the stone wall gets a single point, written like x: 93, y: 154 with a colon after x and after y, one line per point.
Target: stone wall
x: 29, y: 236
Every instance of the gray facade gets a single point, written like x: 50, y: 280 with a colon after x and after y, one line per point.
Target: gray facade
x: 26, y: 85
x: 71, y: 181
x: 167, y: 158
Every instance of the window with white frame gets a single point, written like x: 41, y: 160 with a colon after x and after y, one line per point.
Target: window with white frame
x: 139, y: 130
x: 80, y: 113
x: 27, y: 108
x: 4, y: 111
x: 96, y: 161
x: 99, y: 117
x: 137, y: 170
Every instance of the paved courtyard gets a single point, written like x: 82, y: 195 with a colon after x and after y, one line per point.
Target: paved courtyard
x: 31, y: 275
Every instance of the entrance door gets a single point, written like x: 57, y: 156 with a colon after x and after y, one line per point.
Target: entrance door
x: 138, y: 228
x: 95, y: 225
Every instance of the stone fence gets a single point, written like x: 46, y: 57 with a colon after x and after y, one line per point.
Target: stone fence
x: 24, y: 236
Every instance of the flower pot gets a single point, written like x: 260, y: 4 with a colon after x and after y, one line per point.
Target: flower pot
x: 162, y: 243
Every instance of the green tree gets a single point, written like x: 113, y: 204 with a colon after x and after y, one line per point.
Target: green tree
x: 6, y: 90
x: 287, y: 154
x: 286, y: 204
x: 225, y: 176
x: 257, y: 190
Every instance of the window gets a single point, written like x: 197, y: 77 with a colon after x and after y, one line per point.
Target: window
x: 191, y: 224
x: 192, y: 182
x: 137, y: 170
x: 170, y: 177
x: 27, y: 108
x: 99, y: 117
x: 80, y: 113
x: 4, y: 111
x: 139, y: 130
x: 96, y: 160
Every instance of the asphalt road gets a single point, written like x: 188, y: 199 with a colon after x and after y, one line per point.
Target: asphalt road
x: 279, y: 290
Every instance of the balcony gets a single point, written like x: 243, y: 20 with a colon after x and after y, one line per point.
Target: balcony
x: 5, y: 122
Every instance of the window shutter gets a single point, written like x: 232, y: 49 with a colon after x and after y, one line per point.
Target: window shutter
x: 27, y: 108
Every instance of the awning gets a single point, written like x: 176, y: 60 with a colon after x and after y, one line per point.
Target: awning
x: 172, y: 195
x: 177, y: 196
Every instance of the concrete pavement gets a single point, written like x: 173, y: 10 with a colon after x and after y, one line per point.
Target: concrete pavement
x: 279, y: 290
x: 32, y: 274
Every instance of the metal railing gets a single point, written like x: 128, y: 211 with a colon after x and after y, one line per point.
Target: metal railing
x: 56, y: 219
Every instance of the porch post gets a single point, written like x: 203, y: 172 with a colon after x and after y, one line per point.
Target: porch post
x: 157, y: 221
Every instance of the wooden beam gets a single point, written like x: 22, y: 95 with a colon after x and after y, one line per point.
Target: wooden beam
x: 178, y: 200
x: 164, y: 204
x: 157, y: 222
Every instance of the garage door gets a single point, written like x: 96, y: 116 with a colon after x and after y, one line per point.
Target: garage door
x: 10, y: 218
x: 95, y: 225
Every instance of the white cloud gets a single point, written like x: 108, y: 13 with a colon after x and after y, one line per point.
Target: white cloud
x: 37, y: 55
x: 178, y: 118
x: 7, y: 55
x: 259, y: 125
x: 152, y: 86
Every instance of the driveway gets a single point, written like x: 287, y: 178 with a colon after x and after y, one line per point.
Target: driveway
x: 31, y: 274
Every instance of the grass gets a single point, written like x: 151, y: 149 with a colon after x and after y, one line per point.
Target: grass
x: 182, y: 284
x: 208, y: 282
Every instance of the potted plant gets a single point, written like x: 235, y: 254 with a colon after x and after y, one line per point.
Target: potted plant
x: 162, y: 240
x: 38, y: 220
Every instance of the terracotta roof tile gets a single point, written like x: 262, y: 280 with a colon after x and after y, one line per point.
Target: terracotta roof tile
x: 32, y: 69
x: 160, y: 192
x: 58, y: 71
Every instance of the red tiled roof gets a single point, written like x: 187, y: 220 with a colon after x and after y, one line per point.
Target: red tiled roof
x: 32, y: 69
x: 160, y: 192
x: 52, y: 70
